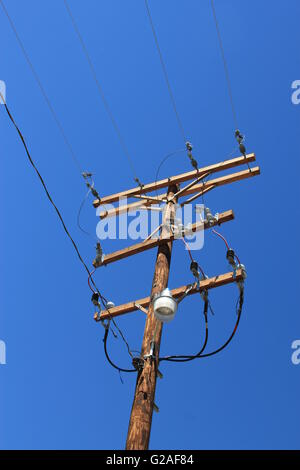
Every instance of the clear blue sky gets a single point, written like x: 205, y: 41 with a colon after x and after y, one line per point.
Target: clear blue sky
x: 57, y: 390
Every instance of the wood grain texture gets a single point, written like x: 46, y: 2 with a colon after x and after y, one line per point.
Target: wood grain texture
x: 196, y: 188
x: 225, y: 165
x: 211, y: 283
x: 153, y: 242
x: 142, y: 409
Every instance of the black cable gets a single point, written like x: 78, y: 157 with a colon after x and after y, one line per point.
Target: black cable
x: 120, y: 369
x: 239, y: 312
x: 200, y: 355
x: 48, y: 102
x: 163, y: 65
x: 224, y: 64
x: 101, y: 93
x: 190, y: 358
x: 49, y: 197
x: 79, y: 214
x: 103, y: 299
x: 162, y: 162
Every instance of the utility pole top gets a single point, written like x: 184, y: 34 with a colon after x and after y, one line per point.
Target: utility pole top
x: 163, y: 237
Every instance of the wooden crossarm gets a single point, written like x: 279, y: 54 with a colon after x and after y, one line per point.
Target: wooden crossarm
x: 233, y: 177
x: 147, y: 245
x: 210, y: 283
x: 225, y: 165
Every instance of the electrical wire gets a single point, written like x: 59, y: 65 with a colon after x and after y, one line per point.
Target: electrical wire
x: 79, y: 214
x: 75, y: 159
x: 201, y: 354
x: 226, y: 243
x: 89, y: 284
x: 243, y: 149
x: 191, y: 257
x: 225, y: 64
x: 181, y: 358
x: 239, y: 312
x: 163, y: 65
x: 90, y: 274
x: 169, y: 155
x: 222, y: 237
x: 188, y: 248
x: 101, y: 92
x: 120, y: 369
x: 49, y: 196
x: 110, y: 318
x: 42, y: 89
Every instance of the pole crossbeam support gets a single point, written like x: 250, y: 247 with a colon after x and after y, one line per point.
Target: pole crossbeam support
x: 163, y: 237
x: 211, y: 283
x: 197, y: 188
x: 143, y: 403
x: 222, y: 166
x: 153, y: 242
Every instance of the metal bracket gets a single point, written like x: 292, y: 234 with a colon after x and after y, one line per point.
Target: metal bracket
x: 151, y: 353
x: 138, y: 363
x: 141, y: 308
x: 155, y: 408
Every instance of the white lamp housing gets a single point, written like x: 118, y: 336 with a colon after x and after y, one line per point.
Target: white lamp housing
x: 165, y: 306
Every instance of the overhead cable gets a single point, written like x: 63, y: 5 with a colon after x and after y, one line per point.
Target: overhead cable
x: 47, y: 193
x: 164, y: 68
x: 42, y: 89
x: 229, y: 87
x: 101, y: 93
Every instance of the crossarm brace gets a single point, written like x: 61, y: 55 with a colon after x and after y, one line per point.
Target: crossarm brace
x: 205, y: 284
x: 153, y: 242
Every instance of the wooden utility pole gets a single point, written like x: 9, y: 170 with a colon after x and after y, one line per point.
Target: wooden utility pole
x: 143, y: 403
x: 147, y: 364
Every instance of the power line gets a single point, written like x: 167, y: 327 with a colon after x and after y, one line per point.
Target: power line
x: 101, y: 93
x: 103, y: 299
x: 76, y: 161
x: 47, y: 192
x: 201, y: 353
x: 120, y: 369
x: 225, y: 65
x: 42, y: 89
x: 239, y: 308
x: 180, y: 125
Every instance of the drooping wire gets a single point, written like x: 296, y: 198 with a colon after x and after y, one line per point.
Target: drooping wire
x: 101, y: 93
x: 119, y: 369
x: 201, y: 354
x: 76, y: 161
x: 239, y: 312
x: 222, y: 237
x: 110, y: 318
x: 90, y: 190
x: 169, y: 155
x: 190, y: 358
x: 180, y: 125
x: 48, y: 194
x: 226, y: 243
x: 239, y: 137
x: 225, y: 65
x: 202, y: 272
x: 42, y: 89
x: 79, y: 214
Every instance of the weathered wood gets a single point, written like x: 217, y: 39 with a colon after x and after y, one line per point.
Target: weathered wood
x: 142, y: 409
x: 207, y: 186
x: 153, y: 242
x: 225, y: 165
x: 211, y: 283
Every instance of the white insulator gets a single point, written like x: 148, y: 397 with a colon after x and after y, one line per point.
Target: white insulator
x: 110, y: 304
